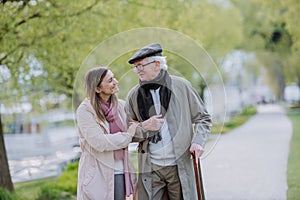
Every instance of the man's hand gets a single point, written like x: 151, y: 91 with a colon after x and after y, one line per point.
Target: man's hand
x: 197, y: 150
x: 154, y: 123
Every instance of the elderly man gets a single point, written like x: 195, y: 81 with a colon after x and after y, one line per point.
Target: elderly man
x: 173, y: 124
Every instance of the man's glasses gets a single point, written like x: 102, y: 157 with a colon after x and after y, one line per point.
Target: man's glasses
x: 140, y: 67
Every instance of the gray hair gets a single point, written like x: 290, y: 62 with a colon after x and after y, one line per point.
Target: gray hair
x: 162, y: 60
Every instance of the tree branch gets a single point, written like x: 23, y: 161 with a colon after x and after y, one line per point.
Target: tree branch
x: 4, y: 1
x: 80, y: 12
x: 36, y: 15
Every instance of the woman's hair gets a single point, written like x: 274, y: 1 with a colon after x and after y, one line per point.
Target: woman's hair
x: 93, y: 79
x: 162, y: 60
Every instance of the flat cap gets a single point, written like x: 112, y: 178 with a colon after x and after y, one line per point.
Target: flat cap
x: 147, y: 51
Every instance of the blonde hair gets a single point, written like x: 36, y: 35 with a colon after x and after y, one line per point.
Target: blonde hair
x: 93, y: 79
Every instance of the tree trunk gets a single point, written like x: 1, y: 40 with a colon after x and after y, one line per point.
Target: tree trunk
x: 280, y: 79
x: 5, y: 178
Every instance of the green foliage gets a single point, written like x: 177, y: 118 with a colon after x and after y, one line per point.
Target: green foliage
x: 65, y: 187
x: 6, y: 195
x: 48, y: 192
x: 264, y: 30
x: 67, y: 181
x: 294, y: 106
x: 235, y: 121
x: 249, y: 111
x: 51, y: 192
x: 293, y: 172
x: 43, y: 43
x: 240, y: 119
x: 271, y: 30
x: 31, y: 189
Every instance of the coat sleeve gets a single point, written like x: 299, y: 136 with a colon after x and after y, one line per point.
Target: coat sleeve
x: 94, y: 134
x: 132, y: 116
x: 200, y: 117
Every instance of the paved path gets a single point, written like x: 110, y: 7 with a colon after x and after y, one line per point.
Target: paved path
x: 251, y: 161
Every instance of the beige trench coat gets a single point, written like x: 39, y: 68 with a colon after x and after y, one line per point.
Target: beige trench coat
x: 96, y: 165
x: 188, y: 122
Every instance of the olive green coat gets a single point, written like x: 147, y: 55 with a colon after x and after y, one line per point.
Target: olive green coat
x: 188, y: 123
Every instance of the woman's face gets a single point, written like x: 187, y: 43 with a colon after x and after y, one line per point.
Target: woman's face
x: 108, y: 86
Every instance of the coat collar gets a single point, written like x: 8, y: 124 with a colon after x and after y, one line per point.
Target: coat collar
x: 103, y: 124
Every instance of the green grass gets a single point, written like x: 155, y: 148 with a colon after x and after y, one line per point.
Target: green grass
x: 235, y: 121
x: 54, y: 188
x: 68, y: 180
x: 30, y: 189
x: 293, y: 172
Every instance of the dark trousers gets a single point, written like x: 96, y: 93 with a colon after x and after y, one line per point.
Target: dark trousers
x: 119, y: 191
x: 166, y: 183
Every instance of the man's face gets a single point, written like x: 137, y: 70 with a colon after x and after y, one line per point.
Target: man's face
x: 146, y: 70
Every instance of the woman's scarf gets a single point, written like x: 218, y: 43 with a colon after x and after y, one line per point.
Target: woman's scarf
x: 145, y: 101
x: 116, y: 124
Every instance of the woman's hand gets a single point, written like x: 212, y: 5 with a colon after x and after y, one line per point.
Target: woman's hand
x: 132, y: 128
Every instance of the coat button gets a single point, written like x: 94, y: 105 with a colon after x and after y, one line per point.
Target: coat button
x: 143, y: 151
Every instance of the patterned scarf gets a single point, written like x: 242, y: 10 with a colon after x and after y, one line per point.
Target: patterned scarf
x: 145, y: 101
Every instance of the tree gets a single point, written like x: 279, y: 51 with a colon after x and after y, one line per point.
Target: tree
x: 43, y: 43
x: 5, y: 178
x: 289, y: 12
x: 271, y: 31
x: 29, y: 32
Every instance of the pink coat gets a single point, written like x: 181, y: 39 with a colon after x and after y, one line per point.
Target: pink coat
x: 96, y: 165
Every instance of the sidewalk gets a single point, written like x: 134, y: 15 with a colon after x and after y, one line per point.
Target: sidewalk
x: 251, y: 161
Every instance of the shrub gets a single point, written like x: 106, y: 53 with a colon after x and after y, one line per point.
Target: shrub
x: 67, y: 181
x: 65, y: 188
x: 51, y: 192
x: 235, y: 120
x: 250, y: 110
x: 7, y: 195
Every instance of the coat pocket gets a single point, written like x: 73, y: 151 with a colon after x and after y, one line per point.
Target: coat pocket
x: 90, y: 172
x: 89, y: 190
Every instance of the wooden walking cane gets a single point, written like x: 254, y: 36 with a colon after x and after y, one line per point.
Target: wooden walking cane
x: 198, y: 177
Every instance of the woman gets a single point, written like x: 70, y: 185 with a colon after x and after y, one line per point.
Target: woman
x: 103, y: 171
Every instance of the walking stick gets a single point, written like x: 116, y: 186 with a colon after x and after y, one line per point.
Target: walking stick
x: 198, y: 177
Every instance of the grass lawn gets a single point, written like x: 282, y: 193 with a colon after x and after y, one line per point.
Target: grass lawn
x: 30, y: 189
x: 235, y: 121
x: 293, y: 172
x: 62, y: 187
